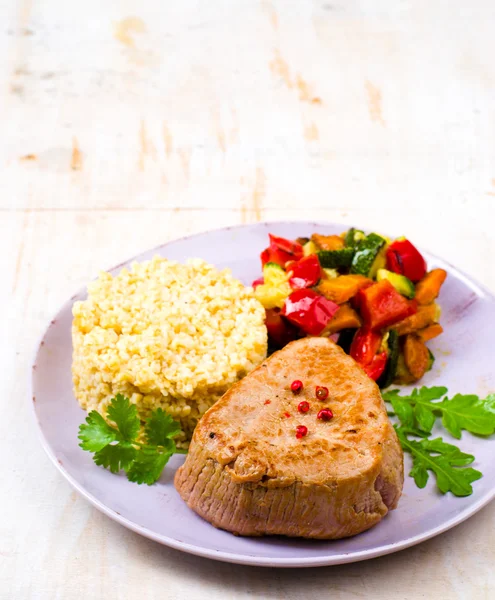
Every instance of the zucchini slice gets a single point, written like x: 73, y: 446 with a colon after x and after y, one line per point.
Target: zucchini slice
x: 368, y: 255
x: 400, y: 282
x: 390, y: 372
x: 309, y: 248
x: 332, y: 259
x: 275, y: 289
x: 431, y: 360
x: 353, y: 236
x: 273, y: 270
x: 331, y: 273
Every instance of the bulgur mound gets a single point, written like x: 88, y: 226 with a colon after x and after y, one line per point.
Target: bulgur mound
x: 167, y: 335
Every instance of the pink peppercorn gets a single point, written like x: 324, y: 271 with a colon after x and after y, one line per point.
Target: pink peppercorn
x: 325, y: 414
x: 321, y: 392
x: 303, y: 406
x: 296, y: 386
x: 301, y: 431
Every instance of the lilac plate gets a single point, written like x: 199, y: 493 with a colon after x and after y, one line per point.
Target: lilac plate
x: 464, y: 364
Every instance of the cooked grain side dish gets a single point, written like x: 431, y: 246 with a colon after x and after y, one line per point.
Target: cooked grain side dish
x: 166, y: 335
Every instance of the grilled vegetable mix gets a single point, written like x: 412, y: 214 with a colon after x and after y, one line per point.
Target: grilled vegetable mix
x: 374, y: 295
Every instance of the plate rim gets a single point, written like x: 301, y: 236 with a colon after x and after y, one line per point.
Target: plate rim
x: 232, y: 557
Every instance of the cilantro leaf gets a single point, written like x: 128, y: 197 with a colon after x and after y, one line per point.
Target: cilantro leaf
x: 96, y: 433
x: 445, y: 460
x: 148, y: 465
x: 421, y: 408
x: 116, y: 457
x: 124, y: 415
x: 122, y: 448
x: 160, y: 427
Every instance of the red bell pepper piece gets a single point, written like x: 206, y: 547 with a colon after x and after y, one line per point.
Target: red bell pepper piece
x: 305, y: 272
x: 365, y: 345
x: 364, y: 348
x: 377, y: 366
x: 323, y: 311
x: 356, y: 299
x: 309, y: 311
x: 280, y: 331
x: 381, y: 305
x: 257, y: 282
x: 281, y: 251
x: 288, y: 246
x: 405, y: 259
x: 265, y: 256
x: 276, y: 256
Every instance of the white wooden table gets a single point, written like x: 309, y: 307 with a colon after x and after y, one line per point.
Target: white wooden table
x: 124, y: 124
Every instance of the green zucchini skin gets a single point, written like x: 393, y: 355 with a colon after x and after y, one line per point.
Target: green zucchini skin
x: 366, y: 253
x: 353, y: 236
x: 332, y: 259
x: 272, y: 265
x: 390, y: 372
x: 400, y: 282
x: 431, y: 360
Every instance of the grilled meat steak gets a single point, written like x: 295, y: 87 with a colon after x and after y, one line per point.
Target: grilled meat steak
x: 248, y: 472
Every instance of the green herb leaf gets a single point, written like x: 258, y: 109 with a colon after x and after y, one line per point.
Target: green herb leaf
x: 420, y: 475
x: 424, y: 417
x: 432, y: 393
x: 456, y: 457
x: 115, y: 457
x: 403, y: 410
x: 445, y: 460
x: 490, y: 402
x: 120, y: 448
x: 148, y: 465
x: 97, y: 433
x: 160, y: 428
x: 124, y: 415
x: 467, y: 412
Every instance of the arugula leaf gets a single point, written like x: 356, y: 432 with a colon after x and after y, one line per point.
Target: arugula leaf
x: 445, y: 460
x: 403, y: 410
x: 466, y: 412
x: 490, y: 402
x: 160, y: 427
x: 124, y: 415
x: 425, y: 417
x: 115, y: 457
x: 97, y: 433
x: 121, y: 448
x: 148, y: 465
x: 421, y: 408
x: 419, y: 474
x: 432, y: 393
